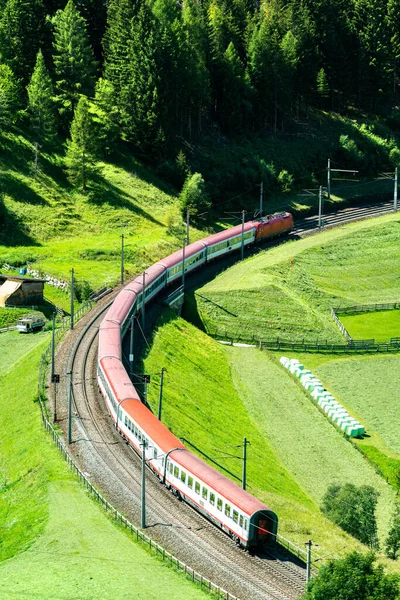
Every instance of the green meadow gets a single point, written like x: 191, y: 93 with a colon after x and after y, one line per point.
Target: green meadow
x: 54, y: 540
x: 379, y: 326
x: 215, y: 395
x: 287, y: 291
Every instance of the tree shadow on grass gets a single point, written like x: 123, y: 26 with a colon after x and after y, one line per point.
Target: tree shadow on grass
x: 12, y: 232
x: 102, y: 191
x: 19, y: 191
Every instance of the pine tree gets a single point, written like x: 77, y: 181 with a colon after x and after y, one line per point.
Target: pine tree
x: 21, y: 33
x: 235, y: 101
x: 82, y: 147
x: 41, y: 101
x: 322, y: 85
x: 73, y: 60
x: 140, y: 98
x: 194, y: 196
x: 9, y: 94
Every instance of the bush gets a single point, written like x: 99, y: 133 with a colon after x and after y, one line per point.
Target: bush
x: 353, y: 578
x: 353, y: 509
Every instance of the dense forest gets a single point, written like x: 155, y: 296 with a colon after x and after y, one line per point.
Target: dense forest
x: 164, y: 76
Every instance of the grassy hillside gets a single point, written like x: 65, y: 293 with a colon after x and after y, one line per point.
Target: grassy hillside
x: 54, y: 540
x: 287, y: 291
x: 380, y: 325
x: 56, y: 227
x: 214, y: 396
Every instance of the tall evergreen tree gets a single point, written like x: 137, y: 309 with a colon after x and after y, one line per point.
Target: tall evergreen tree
x: 82, y: 147
x: 117, y: 45
x: 393, y: 540
x: 197, y: 77
x: 140, y: 97
x: 235, y: 101
x: 73, y: 60
x: 9, y: 93
x: 41, y: 101
x: 21, y: 32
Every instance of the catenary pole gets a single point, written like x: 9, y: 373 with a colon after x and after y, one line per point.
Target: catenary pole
x: 53, y: 345
x: 320, y: 207
x: 242, y: 248
x: 183, y: 266
x: 143, y: 302
x: 161, y: 393
x: 395, y: 190
x: 308, y: 568
x: 329, y: 179
x: 187, y: 227
x: 131, y: 345
x: 122, y: 258
x: 144, y: 445
x: 70, y: 409
x: 245, y: 442
x: 72, y: 297
x: 261, y: 198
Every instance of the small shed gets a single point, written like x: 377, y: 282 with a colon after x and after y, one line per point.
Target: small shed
x: 21, y: 291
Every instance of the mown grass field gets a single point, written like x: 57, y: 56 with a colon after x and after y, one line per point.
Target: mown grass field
x: 214, y: 396
x: 367, y: 386
x: 287, y: 291
x: 379, y: 326
x: 54, y: 540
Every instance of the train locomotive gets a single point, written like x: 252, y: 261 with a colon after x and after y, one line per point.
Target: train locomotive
x: 244, y: 518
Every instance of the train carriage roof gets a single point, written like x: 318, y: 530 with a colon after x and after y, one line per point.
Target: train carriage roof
x: 221, y: 236
x: 176, y: 257
x: 118, y: 378
x: 219, y: 483
x: 109, y: 339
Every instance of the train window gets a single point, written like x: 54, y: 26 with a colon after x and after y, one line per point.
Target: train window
x: 204, y: 493
x: 162, y: 461
x: 126, y: 421
x: 190, y: 482
x: 212, y: 498
x: 241, y: 520
x: 155, y: 452
x: 219, y: 504
x: 235, y: 516
x: 227, y: 510
x: 245, y: 524
x: 183, y: 476
x: 171, y: 468
x: 197, y: 487
x: 176, y: 471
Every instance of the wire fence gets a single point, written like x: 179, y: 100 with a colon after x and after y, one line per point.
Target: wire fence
x: 204, y: 583
x: 347, y: 310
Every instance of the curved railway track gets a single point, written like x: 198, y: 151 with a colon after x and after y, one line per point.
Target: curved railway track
x: 115, y: 468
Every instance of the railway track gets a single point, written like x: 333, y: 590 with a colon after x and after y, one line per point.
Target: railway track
x: 115, y: 468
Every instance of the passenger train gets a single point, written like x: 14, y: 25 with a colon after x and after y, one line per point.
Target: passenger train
x: 247, y: 520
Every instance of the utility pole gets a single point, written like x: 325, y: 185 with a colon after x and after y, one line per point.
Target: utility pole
x: 143, y: 302
x: 183, y: 266
x: 320, y: 207
x: 395, y: 190
x: 53, y: 345
x: 70, y: 409
x: 131, y: 346
x: 261, y: 198
x: 308, y: 567
x: 242, y: 248
x: 72, y: 297
x: 187, y: 226
x: 161, y: 393
x: 245, y: 442
x: 144, y: 446
x: 122, y: 258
